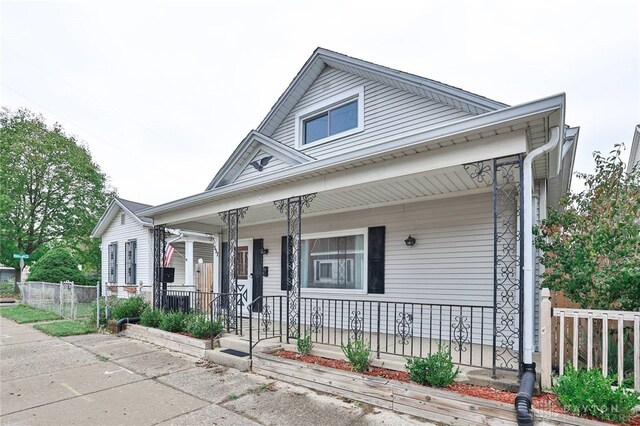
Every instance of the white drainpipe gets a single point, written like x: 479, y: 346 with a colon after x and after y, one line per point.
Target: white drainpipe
x: 529, y: 279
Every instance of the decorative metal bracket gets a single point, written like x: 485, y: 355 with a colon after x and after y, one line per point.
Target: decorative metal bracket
x: 294, y: 207
x: 159, y: 235
x: 506, y: 177
x: 231, y: 219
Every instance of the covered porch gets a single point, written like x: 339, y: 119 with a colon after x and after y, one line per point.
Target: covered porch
x: 407, y: 250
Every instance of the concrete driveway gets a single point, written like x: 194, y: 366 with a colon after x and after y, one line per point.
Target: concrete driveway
x: 100, y: 379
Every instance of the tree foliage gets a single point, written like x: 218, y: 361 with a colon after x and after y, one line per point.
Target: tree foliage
x: 55, y: 266
x: 592, y: 245
x: 51, y: 191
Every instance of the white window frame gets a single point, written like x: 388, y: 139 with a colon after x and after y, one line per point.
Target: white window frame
x: 326, y: 105
x: 342, y: 233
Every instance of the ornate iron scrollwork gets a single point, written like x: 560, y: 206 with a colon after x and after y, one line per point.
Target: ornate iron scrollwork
x: 316, y: 319
x: 356, y: 325
x: 231, y: 219
x: 294, y: 207
x: 461, y: 333
x: 159, y: 235
x: 404, y: 328
x: 506, y: 177
x: 266, y: 317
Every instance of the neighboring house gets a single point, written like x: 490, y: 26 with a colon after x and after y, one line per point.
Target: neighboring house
x: 127, y: 252
x: 634, y: 156
x: 404, y: 201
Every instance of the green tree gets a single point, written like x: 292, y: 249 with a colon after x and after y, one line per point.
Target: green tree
x: 592, y: 245
x: 51, y: 191
x: 55, y: 266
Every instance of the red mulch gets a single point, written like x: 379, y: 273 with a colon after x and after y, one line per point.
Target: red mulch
x: 545, y: 401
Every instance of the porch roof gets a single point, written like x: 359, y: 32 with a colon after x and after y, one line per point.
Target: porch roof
x: 503, y: 132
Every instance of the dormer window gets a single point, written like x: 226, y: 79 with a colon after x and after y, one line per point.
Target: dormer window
x: 333, y: 118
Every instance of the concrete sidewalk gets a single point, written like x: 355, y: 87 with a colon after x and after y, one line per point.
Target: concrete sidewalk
x: 100, y: 379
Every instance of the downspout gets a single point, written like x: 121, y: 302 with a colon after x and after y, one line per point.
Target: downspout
x: 527, y: 383
x: 121, y: 322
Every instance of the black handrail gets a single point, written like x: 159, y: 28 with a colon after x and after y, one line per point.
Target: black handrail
x: 266, y: 319
x: 220, y: 308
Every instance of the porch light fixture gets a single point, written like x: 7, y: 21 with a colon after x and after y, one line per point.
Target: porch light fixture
x: 410, y: 242
x: 264, y: 251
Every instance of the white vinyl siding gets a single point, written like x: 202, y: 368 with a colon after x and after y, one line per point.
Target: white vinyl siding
x: 249, y: 172
x: 388, y: 113
x: 121, y: 234
x: 451, y: 263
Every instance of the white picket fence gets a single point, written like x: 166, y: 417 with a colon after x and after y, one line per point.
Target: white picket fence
x: 576, y: 324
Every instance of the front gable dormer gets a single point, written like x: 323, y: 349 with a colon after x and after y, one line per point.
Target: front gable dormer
x: 255, y: 156
x: 338, y: 105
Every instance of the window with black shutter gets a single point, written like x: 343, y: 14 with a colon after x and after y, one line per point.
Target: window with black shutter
x: 130, y: 262
x: 375, y: 246
x: 113, y: 262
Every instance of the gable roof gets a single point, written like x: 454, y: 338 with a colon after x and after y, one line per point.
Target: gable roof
x: 314, y: 66
x: 420, y: 86
x: 247, y: 150
x: 129, y: 207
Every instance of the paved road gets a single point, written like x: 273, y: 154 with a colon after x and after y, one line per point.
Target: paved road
x: 100, y: 379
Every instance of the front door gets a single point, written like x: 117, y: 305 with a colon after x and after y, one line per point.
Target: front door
x: 244, y: 263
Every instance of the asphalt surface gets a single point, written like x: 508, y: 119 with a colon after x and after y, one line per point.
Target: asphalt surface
x: 101, y: 379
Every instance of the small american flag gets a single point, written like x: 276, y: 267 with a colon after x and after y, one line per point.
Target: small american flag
x: 168, y: 254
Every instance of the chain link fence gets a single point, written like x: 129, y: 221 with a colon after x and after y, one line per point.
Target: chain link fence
x: 65, y: 299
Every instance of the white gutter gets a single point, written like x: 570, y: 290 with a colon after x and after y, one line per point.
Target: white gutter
x: 189, y: 234
x: 529, y: 279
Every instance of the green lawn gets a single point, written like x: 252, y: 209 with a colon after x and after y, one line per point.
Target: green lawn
x: 66, y: 328
x: 22, y: 314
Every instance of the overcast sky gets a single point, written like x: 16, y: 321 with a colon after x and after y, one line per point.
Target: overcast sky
x: 162, y: 92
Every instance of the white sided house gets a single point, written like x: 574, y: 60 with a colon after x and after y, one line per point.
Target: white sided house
x: 371, y: 203
x: 127, y: 253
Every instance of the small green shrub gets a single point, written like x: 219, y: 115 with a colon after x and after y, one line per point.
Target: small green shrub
x: 58, y: 264
x: 128, y: 308
x: 198, y: 326
x: 151, y: 317
x: 305, y: 344
x: 436, y: 369
x: 589, y: 392
x: 358, y: 354
x: 173, y: 321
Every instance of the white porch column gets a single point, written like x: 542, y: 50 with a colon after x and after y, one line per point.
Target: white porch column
x: 188, y: 263
x: 217, y: 265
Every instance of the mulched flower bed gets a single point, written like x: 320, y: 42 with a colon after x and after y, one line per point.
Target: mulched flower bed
x: 545, y: 401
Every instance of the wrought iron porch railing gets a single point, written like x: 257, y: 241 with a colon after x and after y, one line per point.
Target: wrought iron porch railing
x: 187, y: 301
x: 395, y: 328
x: 227, y: 308
x: 402, y: 328
x: 268, y: 311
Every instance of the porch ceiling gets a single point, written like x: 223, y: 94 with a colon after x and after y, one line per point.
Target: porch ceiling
x: 452, y: 181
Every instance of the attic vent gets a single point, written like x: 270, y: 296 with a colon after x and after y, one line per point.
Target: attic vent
x: 122, y: 219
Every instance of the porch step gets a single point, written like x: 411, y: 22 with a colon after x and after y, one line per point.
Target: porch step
x: 238, y: 343
x: 233, y: 359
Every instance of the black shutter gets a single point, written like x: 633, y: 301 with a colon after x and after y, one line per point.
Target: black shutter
x: 284, y: 270
x: 134, y: 261
x: 224, y: 259
x: 127, y: 263
x: 113, y: 263
x: 257, y: 279
x: 376, y: 260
